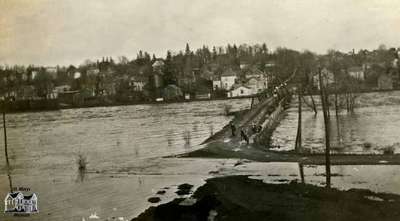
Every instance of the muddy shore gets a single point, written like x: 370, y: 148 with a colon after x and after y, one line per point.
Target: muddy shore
x: 242, y: 198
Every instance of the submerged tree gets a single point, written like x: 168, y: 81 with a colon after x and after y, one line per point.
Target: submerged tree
x: 325, y: 109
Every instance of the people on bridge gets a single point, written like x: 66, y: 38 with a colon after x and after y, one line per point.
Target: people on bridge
x: 256, y: 128
x: 243, y: 136
x: 233, y: 129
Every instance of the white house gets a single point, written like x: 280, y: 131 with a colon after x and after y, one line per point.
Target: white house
x: 17, y: 202
x: 137, y: 83
x: 34, y: 74
x: 357, y: 73
x: 239, y: 91
x: 217, y: 84
x: 62, y: 88
x: 228, y: 79
x: 257, y: 84
x: 93, y: 71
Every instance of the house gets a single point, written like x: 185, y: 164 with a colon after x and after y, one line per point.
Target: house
x: 239, y: 91
x: 327, y: 78
x: 217, y: 84
x: 257, y: 84
x: 137, y: 83
x: 357, y: 73
x: 18, y: 203
x: 52, y: 71
x: 385, y: 82
x: 77, y: 75
x: 228, y: 79
x: 62, y: 88
x: 92, y: 72
x: 253, y: 72
x: 26, y: 92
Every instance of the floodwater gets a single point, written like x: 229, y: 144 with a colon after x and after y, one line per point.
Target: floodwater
x: 125, y: 149
x: 44, y: 148
x: 371, y: 129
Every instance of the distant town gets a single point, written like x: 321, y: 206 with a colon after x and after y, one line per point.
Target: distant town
x: 205, y: 73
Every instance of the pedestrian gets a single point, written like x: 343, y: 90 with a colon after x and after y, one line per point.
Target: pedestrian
x: 254, y: 128
x: 233, y: 129
x: 243, y: 136
x: 259, y: 128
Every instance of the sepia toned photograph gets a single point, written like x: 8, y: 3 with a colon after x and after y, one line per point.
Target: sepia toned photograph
x: 199, y: 110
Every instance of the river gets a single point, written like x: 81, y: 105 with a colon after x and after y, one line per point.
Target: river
x: 371, y: 129
x: 126, y: 148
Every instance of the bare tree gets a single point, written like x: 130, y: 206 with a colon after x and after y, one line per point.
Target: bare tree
x: 325, y: 110
x: 298, y: 137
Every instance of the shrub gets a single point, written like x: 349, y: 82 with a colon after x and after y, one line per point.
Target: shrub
x: 82, y: 162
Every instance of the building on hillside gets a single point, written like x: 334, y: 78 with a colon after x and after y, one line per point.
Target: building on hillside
x: 52, y: 71
x: 356, y: 73
x: 92, y: 72
x: 327, y: 78
x: 34, y: 74
x: 26, y: 92
x: 61, y: 89
x: 385, y: 82
x: 70, y: 71
x: 217, y: 84
x: 253, y: 72
x: 239, y: 91
x: 257, y: 84
x: 228, y: 79
x: 137, y: 83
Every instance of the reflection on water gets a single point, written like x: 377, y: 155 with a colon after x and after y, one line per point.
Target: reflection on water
x: 371, y: 129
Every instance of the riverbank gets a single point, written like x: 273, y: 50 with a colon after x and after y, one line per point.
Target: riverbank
x: 54, y: 105
x: 242, y: 198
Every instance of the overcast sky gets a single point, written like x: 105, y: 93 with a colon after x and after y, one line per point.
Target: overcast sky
x: 49, y: 32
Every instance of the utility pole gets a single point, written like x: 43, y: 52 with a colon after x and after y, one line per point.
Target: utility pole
x: 5, y: 134
x: 325, y: 108
x: 298, y: 137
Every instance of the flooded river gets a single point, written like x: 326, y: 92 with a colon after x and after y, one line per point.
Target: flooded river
x: 125, y: 147
x: 371, y: 129
x: 44, y: 147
